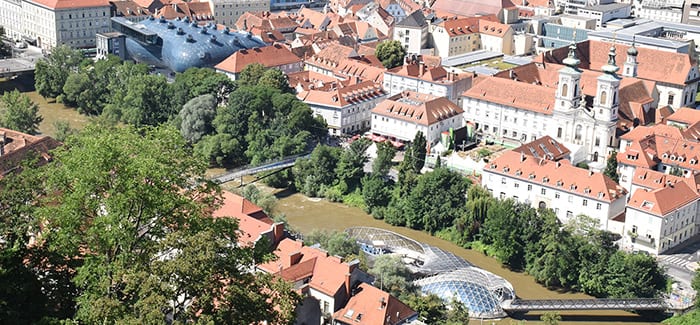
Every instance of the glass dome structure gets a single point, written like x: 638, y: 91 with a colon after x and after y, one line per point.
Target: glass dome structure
x: 444, y: 274
x: 180, y: 43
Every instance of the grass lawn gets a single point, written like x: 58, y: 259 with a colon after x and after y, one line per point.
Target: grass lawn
x: 496, y: 63
x: 49, y: 110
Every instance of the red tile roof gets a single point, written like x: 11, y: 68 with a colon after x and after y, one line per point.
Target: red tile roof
x: 68, y: 4
x: 544, y: 147
x: 471, y: 8
x: 252, y: 222
x: 685, y: 115
x: 652, y: 179
x: 561, y: 174
x: 16, y: 146
x: 343, y: 96
x: 326, y: 274
x: 656, y: 65
x: 371, y: 306
x: 663, y: 200
x: 514, y: 94
x: 417, y: 108
x: 427, y: 72
x: 492, y: 28
x: 269, y: 56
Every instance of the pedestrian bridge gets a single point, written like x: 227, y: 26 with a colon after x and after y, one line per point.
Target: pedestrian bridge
x: 238, y: 173
x: 16, y: 66
x: 525, y: 305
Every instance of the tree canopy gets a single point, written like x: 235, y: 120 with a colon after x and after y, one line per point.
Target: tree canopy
x: 19, y: 113
x: 130, y: 211
x: 52, y: 72
x: 391, y: 53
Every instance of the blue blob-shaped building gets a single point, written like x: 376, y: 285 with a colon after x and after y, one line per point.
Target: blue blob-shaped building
x: 181, y: 44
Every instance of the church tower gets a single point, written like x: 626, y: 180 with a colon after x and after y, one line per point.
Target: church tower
x: 568, y: 90
x: 630, y: 68
x: 607, y: 99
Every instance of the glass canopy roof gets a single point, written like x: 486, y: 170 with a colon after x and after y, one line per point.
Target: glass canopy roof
x: 444, y: 274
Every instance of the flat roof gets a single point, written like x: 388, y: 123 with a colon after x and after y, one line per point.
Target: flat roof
x: 470, y: 57
x: 623, y: 35
x: 607, y: 7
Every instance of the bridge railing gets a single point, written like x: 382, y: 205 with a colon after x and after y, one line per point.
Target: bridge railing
x: 584, y: 304
x: 234, y: 173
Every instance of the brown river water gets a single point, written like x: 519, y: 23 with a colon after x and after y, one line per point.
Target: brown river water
x: 305, y: 214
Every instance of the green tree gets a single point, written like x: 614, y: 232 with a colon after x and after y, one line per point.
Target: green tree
x: 550, y: 318
x: 431, y: 309
x: 195, y: 82
x: 220, y: 150
x: 88, y: 89
x: 391, y: 53
x: 457, y: 313
x: 146, y: 101
x: 266, y: 201
x: 509, y: 228
x: 251, y: 74
x: 310, y: 174
x: 134, y: 208
x: 382, y: 163
x: 334, y: 242
x: 351, y: 164
x: 391, y: 275
x: 19, y: 113
x: 436, y: 200
x: 63, y: 130
x: 415, y: 154
x: 375, y: 192
x: 52, y: 72
x: 196, y: 117
x: 611, y: 167
x: 690, y: 318
x: 277, y: 79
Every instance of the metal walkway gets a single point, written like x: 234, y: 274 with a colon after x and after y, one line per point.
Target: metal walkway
x: 15, y: 66
x: 250, y: 169
x: 519, y: 305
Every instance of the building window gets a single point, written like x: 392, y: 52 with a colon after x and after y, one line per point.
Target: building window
x: 603, y: 97
x: 585, y: 202
x: 503, y: 180
x: 577, y: 135
x: 516, y: 185
x: 543, y: 191
x: 529, y: 187
x: 556, y: 195
x: 569, y: 214
x: 559, y: 131
x: 670, y: 99
x: 502, y: 196
x: 565, y: 90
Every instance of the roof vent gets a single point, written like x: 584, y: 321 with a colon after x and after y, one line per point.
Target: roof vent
x: 186, y: 19
x: 212, y: 39
x: 226, y: 30
x: 189, y: 39
x: 180, y: 31
x: 171, y: 25
x: 203, y: 31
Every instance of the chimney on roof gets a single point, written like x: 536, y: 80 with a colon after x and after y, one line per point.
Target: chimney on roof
x: 382, y: 303
x: 590, y: 173
x: 522, y: 157
x: 347, y: 284
x: 422, y: 69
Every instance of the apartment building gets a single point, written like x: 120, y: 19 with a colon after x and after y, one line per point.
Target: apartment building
x: 422, y: 78
x: 227, y: 12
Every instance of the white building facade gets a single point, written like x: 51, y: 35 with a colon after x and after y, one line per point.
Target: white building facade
x: 566, y: 189
x: 401, y: 116
x: 227, y: 12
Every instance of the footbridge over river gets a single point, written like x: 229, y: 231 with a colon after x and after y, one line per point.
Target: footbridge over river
x: 16, y: 66
x: 238, y: 173
x: 525, y: 305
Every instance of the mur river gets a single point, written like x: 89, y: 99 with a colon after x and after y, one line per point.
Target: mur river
x: 305, y: 214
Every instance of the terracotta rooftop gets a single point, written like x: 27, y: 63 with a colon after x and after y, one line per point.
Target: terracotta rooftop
x: 655, y: 65
x: 306, y: 80
x: 371, y: 306
x: 471, y: 8
x: 557, y: 174
x: 417, y: 108
x: 426, y: 72
x: 295, y: 262
x: 129, y: 9
x: 68, y: 4
x: 343, y: 96
x: 544, y: 147
x: 663, y: 200
x: 685, y: 115
x: 514, y: 94
x: 269, y: 56
x: 16, y: 146
x: 195, y: 11
x: 493, y: 28
x: 652, y: 179
x: 252, y: 221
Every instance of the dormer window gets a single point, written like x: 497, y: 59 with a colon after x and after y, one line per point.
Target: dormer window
x: 560, y: 183
x: 601, y: 195
x: 693, y: 161
x: 518, y: 172
x: 673, y: 157
x: 531, y: 176
x: 545, y: 179
x: 506, y: 169
x: 665, y: 156
x: 572, y: 187
x: 587, y: 190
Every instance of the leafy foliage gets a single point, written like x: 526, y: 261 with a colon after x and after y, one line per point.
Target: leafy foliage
x: 391, y: 275
x: 195, y: 82
x: 431, y: 309
x: 52, y: 72
x: 335, y: 242
x: 132, y: 209
x: 382, y: 163
x: 19, y: 113
x: 611, y: 167
x: 310, y: 174
x: 196, y: 117
x: 391, y: 53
